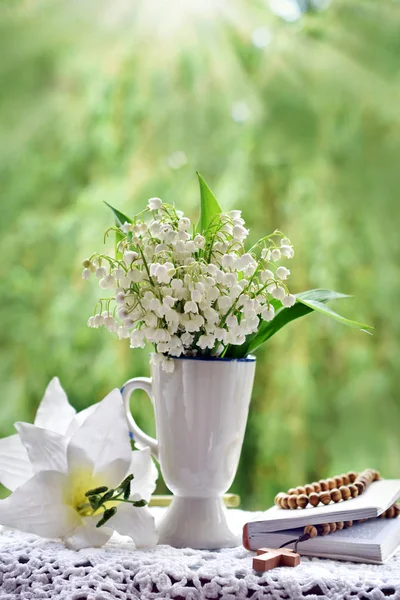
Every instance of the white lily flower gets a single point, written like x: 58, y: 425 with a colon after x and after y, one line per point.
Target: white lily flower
x: 53, y: 503
x: 55, y: 414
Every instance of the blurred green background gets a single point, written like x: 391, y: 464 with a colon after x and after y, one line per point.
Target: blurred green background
x: 290, y: 111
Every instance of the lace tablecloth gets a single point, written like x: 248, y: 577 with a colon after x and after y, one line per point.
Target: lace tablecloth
x: 32, y: 568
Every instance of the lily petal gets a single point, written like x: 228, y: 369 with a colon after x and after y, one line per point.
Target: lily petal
x: 38, y: 506
x: 145, y: 473
x: 87, y: 536
x: 79, y: 419
x: 15, y: 468
x: 103, y: 439
x: 47, y: 451
x: 54, y: 412
x: 137, y: 523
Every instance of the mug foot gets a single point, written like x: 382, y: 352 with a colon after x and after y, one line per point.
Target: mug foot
x: 198, y: 523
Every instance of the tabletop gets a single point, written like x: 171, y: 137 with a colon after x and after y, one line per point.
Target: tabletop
x: 32, y: 568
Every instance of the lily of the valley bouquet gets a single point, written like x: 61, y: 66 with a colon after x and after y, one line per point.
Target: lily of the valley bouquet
x: 75, y: 476
x: 195, y: 290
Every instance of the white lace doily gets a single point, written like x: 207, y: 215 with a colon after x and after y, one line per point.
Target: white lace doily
x: 32, y: 568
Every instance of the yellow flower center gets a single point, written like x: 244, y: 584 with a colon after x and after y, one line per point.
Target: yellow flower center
x: 82, y: 480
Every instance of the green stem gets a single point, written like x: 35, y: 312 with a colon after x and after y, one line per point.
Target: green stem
x: 146, y: 266
x: 267, y: 237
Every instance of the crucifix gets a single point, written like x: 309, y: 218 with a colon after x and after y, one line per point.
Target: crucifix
x: 269, y: 558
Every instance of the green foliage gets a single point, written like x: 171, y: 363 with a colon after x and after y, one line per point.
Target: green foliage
x: 120, y: 219
x: 317, y: 302
x: 307, y: 302
x: 209, y: 207
x: 110, y: 102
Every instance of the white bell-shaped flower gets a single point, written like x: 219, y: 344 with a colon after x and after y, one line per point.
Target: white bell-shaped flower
x: 154, y: 204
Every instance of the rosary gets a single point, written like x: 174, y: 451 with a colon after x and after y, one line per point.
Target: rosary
x: 335, y: 489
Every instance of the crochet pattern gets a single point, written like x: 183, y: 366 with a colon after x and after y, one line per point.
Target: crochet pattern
x: 32, y: 568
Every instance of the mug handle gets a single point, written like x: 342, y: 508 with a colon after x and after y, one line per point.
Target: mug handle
x: 140, y: 437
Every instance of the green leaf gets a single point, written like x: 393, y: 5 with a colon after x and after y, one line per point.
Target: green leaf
x: 320, y: 307
x: 209, y: 207
x: 268, y: 329
x: 120, y: 219
x: 321, y: 295
x: 307, y: 302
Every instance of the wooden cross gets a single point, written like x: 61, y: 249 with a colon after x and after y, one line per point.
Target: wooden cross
x: 269, y: 558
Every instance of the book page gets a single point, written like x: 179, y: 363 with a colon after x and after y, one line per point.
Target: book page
x: 375, y: 500
x: 374, y: 532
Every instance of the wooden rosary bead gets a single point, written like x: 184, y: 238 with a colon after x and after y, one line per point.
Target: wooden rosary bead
x: 372, y: 474
x: 368, y: 474
x: 348, y: 524
x: 332, y: 527
x: 336, y: 495
x: 352, y: 476
x: 397, y: 509
x: 353, y: 490
x: 302, y: 501
x: 360, y: 487
x: 365, y: 473
x: 339, y: 525
x: 313, y: 499
x: 390, y: 512
x: 346, y: 493
x: 334, y: 489
x: 338, y: 480
x: 364, y: 480
x: 285, y: 502
x: 311, y: 531
x: 323, y: 529
x: 345, y: 478
x: 325, y: 497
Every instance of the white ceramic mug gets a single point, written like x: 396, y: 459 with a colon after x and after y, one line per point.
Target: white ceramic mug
x: 201, y: 413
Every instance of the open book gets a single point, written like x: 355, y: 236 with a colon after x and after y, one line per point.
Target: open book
x: 372, y: 541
